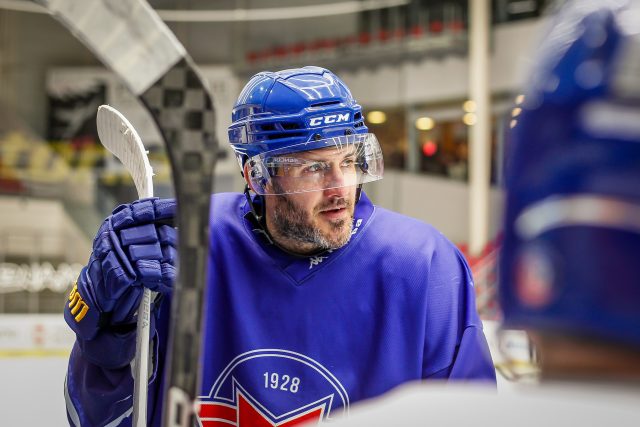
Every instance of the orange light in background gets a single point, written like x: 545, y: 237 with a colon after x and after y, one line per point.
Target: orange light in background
x: 429, y: 148
x: 469, y: 119
x: 469, y: 106
x: 425, y: 123
x: 376, y: 117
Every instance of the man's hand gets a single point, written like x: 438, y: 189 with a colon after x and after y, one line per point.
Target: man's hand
x: 134, y: 247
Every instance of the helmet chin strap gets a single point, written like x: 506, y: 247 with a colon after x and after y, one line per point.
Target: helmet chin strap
x: 257, y: 216
x: 358, y: 194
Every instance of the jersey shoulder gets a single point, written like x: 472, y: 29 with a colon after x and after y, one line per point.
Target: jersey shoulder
x: 389, y: 227
x: 226, y: 212
x: 402, y: 246
x: 224, y: 205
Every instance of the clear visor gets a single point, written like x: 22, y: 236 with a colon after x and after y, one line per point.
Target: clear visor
x: 342, y: 161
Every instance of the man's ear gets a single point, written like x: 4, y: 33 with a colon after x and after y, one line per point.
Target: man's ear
x: 246, y: 176
x: 247, y: 172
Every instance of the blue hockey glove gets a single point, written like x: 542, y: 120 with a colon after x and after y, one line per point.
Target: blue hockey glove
x: 134, y: 248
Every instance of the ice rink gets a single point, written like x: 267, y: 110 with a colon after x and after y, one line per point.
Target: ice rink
x: 32, y: 391
x: 33, y: 360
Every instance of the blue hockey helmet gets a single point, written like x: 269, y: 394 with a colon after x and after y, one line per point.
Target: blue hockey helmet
x: 297, y: 127
x: 572, y: 220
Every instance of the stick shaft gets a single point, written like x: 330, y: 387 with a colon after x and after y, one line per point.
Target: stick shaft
x: 143, y: 338
x: 141, y: 375
x: 119, y: 136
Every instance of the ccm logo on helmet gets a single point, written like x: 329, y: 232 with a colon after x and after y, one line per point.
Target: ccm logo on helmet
x: 329, y: 119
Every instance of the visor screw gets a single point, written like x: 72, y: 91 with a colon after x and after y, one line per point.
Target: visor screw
x: 317, y: 137
x: 253, y: 174
x: 252, y: 163
x: 348, y: 132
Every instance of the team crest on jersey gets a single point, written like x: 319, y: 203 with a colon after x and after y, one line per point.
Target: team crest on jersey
x: 273, y: 387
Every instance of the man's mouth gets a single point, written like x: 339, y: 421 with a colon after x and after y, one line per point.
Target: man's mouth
x: 333, y: 208
x: 334, y: 212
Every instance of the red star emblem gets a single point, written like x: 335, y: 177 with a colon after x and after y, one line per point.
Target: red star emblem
x: 248, y: 412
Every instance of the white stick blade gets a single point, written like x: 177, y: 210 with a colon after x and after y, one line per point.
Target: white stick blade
x: 120, y: 137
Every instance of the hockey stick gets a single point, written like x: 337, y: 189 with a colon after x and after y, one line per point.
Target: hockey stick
x: 130, y: 39
x: 120, y: 137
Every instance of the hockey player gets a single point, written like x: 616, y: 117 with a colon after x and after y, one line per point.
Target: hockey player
x: 316, y: 298
x: 568, y: 272
x: 572, y: 233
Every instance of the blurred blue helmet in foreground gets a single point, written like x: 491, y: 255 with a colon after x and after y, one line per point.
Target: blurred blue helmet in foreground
x: 570, y: 260
x: 280, y: 115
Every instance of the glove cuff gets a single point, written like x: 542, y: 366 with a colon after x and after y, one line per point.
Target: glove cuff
x: 104, y: 344
x: 100, y: 344
x: 115, y: 346
x: 109, y: 350
x: 82, y: 314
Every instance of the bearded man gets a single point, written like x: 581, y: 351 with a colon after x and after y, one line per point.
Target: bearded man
x: 315, y: 298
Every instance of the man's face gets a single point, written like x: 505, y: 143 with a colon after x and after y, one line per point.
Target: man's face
x: 310, y: 221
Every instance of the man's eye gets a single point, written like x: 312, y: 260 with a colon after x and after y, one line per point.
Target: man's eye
x: 313, y: 167
x: 348, y: 162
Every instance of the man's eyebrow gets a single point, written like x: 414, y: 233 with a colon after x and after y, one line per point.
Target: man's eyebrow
x: 340, y: 155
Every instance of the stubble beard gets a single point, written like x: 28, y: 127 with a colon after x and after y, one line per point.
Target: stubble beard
x: 294, y: 225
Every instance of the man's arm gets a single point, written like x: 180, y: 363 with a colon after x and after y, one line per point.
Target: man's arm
x: 95, y: 395
x: 472, y: 361
x: 99, y: 396
x: 455, y: 347
x: 134, y: 248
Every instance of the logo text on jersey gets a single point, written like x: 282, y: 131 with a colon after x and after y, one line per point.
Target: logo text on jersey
x: 77, y: 305
x: 356, y: 226
x: 316, y: 260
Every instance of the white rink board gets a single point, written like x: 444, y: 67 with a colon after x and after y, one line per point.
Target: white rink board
x: 34, y: 335
x: 34, y: 351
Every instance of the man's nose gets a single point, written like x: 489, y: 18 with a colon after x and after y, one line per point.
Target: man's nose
x: 337, y: 192
x: 334, y: 175
x: 336, y: 182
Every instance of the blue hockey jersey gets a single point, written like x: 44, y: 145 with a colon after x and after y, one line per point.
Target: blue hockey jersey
x: 297, y: 339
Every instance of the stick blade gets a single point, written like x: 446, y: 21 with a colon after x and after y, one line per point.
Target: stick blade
x: 120, y: 138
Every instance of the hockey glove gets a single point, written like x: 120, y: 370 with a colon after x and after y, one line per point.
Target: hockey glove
x: 134, y: 247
